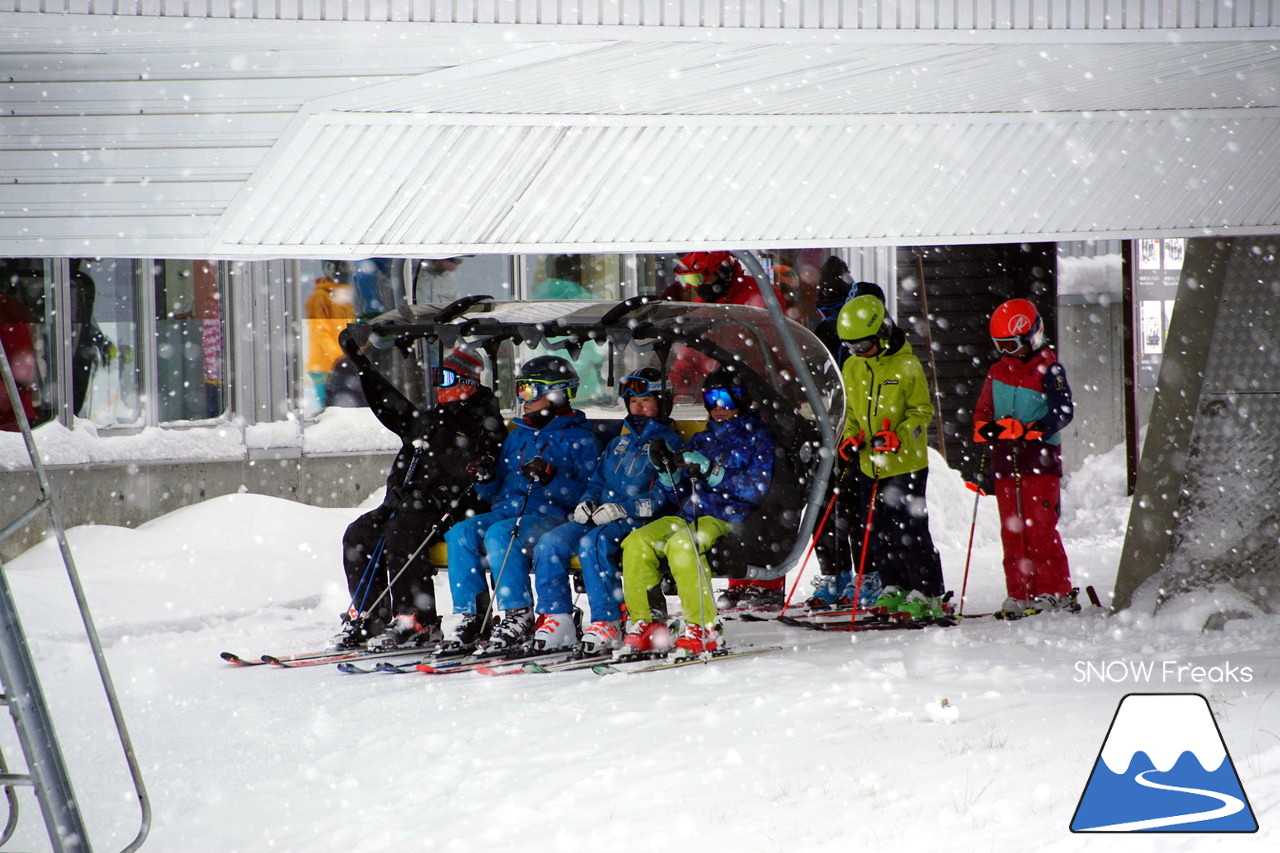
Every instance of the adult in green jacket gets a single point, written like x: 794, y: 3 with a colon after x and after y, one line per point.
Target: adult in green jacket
x: 887, y: 415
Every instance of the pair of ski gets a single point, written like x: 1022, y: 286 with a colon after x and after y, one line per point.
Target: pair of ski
x: 490, y: 664
x: 321, y: 658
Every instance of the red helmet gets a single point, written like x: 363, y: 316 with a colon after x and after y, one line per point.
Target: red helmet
x: 1015, y: 324
x: 703, y: 264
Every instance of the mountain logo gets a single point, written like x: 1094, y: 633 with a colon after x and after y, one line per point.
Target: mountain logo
x: 1163, y: 767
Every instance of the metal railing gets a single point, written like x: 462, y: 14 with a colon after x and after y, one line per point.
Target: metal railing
x: 47, y: 770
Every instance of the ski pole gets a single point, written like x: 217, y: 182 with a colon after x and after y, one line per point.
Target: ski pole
x: 822, y: 523
x: 515, y: 533
x: 366, y: 578
x: 448, y: 513
x: 968, y: 554
x: 867, y: 538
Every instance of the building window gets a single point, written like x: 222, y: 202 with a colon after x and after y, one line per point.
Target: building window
x: 190, y: 359
x: 105, y: 365
x: 441, y: 281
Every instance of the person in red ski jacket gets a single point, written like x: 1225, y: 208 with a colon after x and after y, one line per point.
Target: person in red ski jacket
x: 1024, y: 405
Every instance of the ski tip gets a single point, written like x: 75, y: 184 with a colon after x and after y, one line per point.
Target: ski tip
x: 272, y: 659
x: 1093, y: 596
x: 233, y: 658
x: 427, y: 668
x: 604, y: 669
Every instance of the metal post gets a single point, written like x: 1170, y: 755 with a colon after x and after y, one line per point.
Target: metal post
x: 35, y: 731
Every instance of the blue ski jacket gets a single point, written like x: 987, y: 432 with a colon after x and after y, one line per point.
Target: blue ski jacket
x: 567, y: 443
x: 743, y: 449
x: 624, y: 475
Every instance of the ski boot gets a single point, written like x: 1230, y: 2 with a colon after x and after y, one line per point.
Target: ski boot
x: 1066, y: 603
x: 697, y: 640
x: 511, y: 634
x: 731, y: 597
x: 888, y: 601
x: 645, y: 638
x: 920, y: 607
x: 554, y: 631
x: 1014, y: 608
x: 471, y: 630
x: 824, y: 595
x: 867, y: 596
x: 406, y: 631
x: 601, y: 637
x: 353, y: 634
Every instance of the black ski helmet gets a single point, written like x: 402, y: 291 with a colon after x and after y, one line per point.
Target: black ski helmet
x: 727, y: 377
x: 548, y: 374
x: 655, y: 387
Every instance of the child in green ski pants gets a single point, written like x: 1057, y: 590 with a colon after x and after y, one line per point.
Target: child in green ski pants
x: 717, y: 482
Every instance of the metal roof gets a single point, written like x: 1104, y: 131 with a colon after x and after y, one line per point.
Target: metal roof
x: 184, y: 136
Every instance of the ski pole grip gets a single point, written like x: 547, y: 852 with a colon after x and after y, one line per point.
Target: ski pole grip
x: 886, y: 425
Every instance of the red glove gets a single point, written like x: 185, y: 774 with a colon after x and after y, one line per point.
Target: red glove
x: 1033, y: 432
x: 886, y: 441
x: 851, y: 445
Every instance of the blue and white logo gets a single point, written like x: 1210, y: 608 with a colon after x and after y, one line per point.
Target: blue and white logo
x: 1164, y: 768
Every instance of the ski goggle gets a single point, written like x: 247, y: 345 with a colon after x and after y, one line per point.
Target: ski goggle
x: 443, y: 377
x: 689, y: 279
x: 1008, y: 346
x: 861, y: 345
x: 724, y: 398
x: 638, y: 386
x: 529, y: 390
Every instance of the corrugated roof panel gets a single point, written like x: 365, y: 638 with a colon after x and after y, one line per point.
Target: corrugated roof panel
x: 730, y: 79
x: 882, y: 15
x: 629, y: 185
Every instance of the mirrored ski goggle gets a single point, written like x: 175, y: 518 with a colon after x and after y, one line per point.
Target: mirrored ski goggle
x: 689, y: 279
x: 529, y: 390
x: 1007, y: 345
x: 638, y: 386
x: 861, y: 345
x: 724, y: 398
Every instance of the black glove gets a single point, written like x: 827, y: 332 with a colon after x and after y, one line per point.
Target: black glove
x: 481, y: 468
x: 662, y: 457
x: 395, y: 497
x: 539, y: 470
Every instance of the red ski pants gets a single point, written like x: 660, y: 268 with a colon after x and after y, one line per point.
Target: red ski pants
x: 1034, y: 560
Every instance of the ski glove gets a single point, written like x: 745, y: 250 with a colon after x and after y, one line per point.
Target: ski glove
x: 1013, y: 428
x: 1034, y: 432
x: 606, y: 513
x: 539, y: 470
x: 886, y: 441
x: 699, y: 465
x: 582, y: 512
x: 661, y: 457
x: 849, y: 448
x: 986, y: 431
x: 481, y: 469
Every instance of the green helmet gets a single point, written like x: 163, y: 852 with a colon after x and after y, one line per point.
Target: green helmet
x: 861, y: 317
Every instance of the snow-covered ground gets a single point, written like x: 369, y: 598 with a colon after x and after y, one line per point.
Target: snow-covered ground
x: 837, y: 743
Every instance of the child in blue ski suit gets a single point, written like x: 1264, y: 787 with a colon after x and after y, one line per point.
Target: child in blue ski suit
x: 544, y: 466
x: 623, y: 494
x: 717, y: 482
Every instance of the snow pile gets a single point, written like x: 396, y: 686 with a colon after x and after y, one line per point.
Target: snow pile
x: 836, y: 742
x: 339, y: 430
